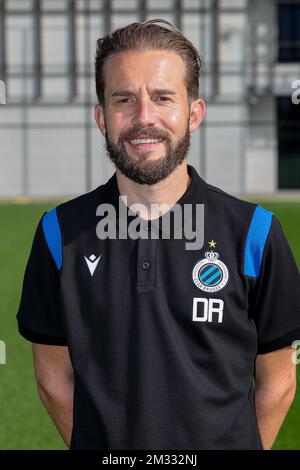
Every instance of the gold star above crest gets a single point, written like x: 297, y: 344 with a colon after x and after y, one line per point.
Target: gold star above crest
x: 212, y: 244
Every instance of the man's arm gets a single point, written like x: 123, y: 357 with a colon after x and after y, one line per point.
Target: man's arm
x: 274, y: 392
x: 55, y: 381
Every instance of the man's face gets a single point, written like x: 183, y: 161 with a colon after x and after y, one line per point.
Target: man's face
x: 147, y: 119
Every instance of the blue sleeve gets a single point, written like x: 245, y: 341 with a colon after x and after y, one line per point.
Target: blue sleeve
x: 276, y: 298
x: 39, y: 315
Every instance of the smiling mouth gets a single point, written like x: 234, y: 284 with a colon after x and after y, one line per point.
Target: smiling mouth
x: 143, y: 144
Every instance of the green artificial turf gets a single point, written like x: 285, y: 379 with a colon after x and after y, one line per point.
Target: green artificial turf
x: 24, y: 424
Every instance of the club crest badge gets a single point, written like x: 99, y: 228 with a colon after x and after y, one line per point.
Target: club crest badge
x: 210, y: 274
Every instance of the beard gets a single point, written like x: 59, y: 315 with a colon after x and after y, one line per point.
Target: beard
x: 143, y: 171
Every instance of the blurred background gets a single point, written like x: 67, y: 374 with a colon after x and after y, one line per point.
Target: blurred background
x: 52, y: 150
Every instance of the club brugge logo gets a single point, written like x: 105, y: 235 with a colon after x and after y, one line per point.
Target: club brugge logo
x: 210, y: 274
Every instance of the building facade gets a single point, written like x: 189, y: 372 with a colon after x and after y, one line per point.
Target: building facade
x: 249, y: 141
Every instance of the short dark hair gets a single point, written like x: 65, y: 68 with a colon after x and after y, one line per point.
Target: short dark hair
x: 148, y: 35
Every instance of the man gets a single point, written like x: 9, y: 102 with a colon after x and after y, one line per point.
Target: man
x: 139, y: 342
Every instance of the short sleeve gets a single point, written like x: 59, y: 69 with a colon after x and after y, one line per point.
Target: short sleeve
x: 39, y: 314
x: 277, y: 294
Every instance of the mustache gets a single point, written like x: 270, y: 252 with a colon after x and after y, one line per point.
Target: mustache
x: 136, y: 132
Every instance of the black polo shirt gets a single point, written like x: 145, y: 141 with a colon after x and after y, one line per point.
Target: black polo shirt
x: 163, y: 340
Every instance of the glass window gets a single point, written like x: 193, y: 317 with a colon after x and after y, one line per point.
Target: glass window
x: 54, y: 43
x: 91, y: 5
x: 288, y: 118
x: 86, y: 49
x: 192, y: 4
x: 128, y: 5
x: 49, y: 5
x: 289, y: 32
x: 120, y: 20
x: 17, y: 5
x: 159, y: 5
x: 233, y: 4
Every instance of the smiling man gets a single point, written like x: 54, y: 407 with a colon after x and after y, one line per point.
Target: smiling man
x: 140, y: 343
x: 148, y: 121
x: 148, y: 111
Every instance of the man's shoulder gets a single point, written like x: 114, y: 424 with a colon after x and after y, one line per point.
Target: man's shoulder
x: 219, y: 200
x: 86, y: 203
x: 78, y: 215
x: 239, y: 212
x: 83, y: 201
x: 220, y: 196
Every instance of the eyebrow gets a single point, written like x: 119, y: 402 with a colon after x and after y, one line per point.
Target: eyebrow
x: 157, y: 91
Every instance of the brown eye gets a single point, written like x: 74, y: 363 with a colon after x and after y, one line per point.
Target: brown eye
x: 125, y: 100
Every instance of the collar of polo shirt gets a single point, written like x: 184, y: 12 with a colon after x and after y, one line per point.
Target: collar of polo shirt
x: 194, y: 194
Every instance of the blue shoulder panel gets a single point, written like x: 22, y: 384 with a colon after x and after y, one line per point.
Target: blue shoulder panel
x: 53, y: 236
x: 256, y: 240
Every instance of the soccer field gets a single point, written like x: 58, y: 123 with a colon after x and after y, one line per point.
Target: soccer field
x: 24, y: 423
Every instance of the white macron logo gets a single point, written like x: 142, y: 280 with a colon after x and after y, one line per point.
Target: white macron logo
x: 92, y: 263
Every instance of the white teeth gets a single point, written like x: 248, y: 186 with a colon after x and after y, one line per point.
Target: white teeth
x: 144, y: 141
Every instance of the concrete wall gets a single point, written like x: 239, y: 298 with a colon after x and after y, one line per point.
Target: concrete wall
x: 43, y: 147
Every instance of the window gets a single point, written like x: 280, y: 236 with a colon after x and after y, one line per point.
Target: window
x: 288, y: 118
x: 289, y: 31
x: 19, y: 5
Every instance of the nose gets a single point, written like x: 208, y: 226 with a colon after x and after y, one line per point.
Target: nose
x: 145, y: 113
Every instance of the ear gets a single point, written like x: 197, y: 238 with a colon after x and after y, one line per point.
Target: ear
x: 197, y: 111
x: 99, y: 117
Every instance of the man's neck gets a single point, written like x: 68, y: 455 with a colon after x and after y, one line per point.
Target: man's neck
x: 167, y: 191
